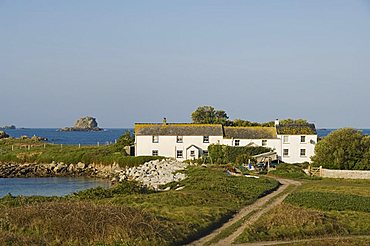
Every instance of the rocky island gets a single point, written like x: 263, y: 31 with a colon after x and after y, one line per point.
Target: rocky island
x: 87, y: 123
x: 3, y: 135
x: 10, y: 127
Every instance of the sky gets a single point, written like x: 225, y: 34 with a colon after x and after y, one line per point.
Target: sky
x: 139, y: 61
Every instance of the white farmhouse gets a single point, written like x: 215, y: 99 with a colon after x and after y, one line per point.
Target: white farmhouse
x: 183, y: 141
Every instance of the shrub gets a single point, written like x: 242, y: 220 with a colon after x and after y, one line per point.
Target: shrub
x: 223, y: 154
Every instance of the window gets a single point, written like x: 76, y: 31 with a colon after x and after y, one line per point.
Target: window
x: 303, y: 139
x: 264, y: 142
x: 237, y: 142
x: 192, y: 153
x: 205, y: 139
x: 285, y: 152
x: 154, y: 152
x: 179, y: 139
x: 179, y: 154
x: 303, y: 152
x: 205, y: 152
x: 285, y: 139
x: 155, y: 139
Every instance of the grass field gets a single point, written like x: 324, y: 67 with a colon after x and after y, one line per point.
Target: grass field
x: 319, y: 208
x: 127, y: 215
x: 29, y: 151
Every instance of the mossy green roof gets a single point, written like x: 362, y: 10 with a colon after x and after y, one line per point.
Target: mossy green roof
x: 257, y: 132
x: 178, y: 129
x: 296, y: 129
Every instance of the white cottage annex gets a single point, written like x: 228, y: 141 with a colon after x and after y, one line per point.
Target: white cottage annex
x: 183, y: 141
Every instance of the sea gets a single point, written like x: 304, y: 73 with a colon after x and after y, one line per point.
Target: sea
x: 107, y: 136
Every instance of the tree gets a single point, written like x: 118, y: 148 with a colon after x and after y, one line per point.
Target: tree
x: 127, y: 139
x: 208, y: 115
x: 345, y: 148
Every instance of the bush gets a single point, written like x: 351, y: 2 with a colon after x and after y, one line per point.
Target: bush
x: 223, y: 154
x: 345, y: 148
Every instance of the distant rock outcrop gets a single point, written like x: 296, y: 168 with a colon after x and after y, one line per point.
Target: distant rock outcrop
x: 3, y: 135
x: 84, y: 124
x: 11, y: 127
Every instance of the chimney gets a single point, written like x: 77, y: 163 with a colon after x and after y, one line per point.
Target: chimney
x: 277, y: 122
x: 164, y: 121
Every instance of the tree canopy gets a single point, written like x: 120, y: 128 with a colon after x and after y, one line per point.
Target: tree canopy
x: 208, y: 115
x: 345, y: 148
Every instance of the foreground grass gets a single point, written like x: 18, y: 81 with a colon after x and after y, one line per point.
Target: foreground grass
x: 128, y: 215
x: 29, y: 151
x: 319, y: 208
x: 292, y: 171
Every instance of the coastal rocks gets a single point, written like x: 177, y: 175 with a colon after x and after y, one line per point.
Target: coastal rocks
x: 83, y: 124
x: 153, y: 174
x: 3, y: 135
x: 53, y: 170
x: 10, y: 127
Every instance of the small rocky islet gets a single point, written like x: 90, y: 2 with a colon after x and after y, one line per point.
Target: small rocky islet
x: 87, y: 123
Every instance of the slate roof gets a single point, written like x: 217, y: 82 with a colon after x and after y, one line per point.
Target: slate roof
x: 250, y: 132
x: 178, y: 129
x: 294, y: 129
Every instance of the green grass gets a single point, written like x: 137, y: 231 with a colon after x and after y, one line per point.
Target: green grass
x: 291, y: 171
x: 28, y: 151
x: 318, y: 208
x: 128, y: 215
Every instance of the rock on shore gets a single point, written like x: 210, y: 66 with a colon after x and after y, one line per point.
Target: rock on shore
x: 3, y: 135
x: 155, y: 173
x: 83, y: 124
x: 151, y: 174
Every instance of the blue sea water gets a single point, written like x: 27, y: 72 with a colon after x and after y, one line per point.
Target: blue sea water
x: 55, y: 186
x: 325, y: 132
x: 84, y: 138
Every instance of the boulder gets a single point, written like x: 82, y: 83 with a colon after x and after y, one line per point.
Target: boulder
x: 3, y: 134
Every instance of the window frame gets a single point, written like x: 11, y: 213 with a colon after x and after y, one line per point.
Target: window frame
x: 179, y: 139
x: 285, y: 139
x: 304, y: 139
x: 192, y: 153
x: 155, y: 139
x: 205, y: 139
x: 155, y: 150
x: 179, y: 154
x: 300, y: 152
x: 264, y: 142
x: 287, y: 153
x: 237, y: 142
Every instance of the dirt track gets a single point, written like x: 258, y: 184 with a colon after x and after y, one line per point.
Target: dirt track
x: 256, y: 209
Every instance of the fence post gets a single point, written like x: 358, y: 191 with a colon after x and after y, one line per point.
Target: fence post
x: 61, y: 146
x: 44, y: 146
x: 79, y: 146
x: 12, y: 147
x: 98, y: 143
x: 29, y: 147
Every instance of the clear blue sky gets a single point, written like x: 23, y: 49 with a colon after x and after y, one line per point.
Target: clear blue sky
x: 140, y: 61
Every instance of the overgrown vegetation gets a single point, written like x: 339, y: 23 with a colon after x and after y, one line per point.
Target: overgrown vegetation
x: 345, y: 148
x: 319, y: 208
x: 30, y: 151
x: 223, y: 154
x: 291, y: 171
x: 128, y: 215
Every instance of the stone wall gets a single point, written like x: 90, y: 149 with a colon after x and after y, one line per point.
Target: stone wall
x: 345, y: 174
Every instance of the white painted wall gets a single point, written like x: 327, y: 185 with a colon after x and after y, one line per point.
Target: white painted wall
x: 167, y: 145
x: 294, y: 145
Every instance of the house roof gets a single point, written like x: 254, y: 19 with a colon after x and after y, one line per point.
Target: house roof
x: 296, y: 129
x: 257, y: 132
x: 179, y: 129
